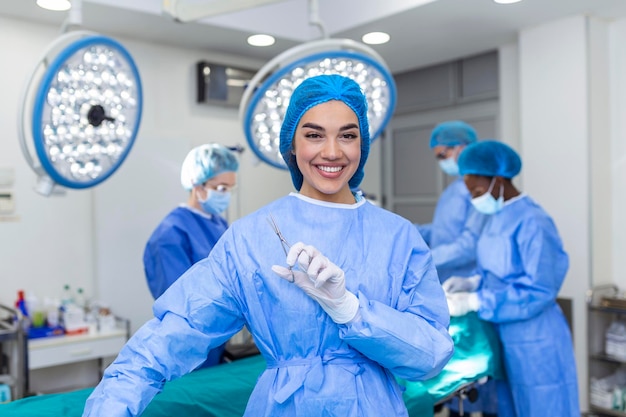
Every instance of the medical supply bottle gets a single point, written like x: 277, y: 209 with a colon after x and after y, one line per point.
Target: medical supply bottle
x: 67, y: 297
x: 80, y: 300
x: 20, y: 304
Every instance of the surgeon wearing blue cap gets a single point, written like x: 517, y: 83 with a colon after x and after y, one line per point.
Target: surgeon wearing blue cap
x: 522, y: 265
x: 189, y: 232
x: 456, y: 224
x: 347, y: 298
x: 453, y: 234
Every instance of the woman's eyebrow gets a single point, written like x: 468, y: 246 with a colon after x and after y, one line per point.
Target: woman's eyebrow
x: 312, y: 125
x: 350, y: 126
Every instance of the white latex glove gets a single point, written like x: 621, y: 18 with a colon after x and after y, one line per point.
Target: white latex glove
x: 461, y: 284
x: 461, y: 303
x: 321, y: 280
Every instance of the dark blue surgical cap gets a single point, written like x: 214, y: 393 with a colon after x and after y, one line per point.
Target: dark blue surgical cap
x: 490, y: 158
x: 317, y: 90
x: 205, y: 162
x: 452, y: 133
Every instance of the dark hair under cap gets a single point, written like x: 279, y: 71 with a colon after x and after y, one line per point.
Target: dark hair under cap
x: 489, y: 158
x: 317, y: 90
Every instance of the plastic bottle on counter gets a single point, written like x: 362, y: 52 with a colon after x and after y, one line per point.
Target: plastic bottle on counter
x: 67, y: 297
x: 80, y: 299
x: 20, y: 304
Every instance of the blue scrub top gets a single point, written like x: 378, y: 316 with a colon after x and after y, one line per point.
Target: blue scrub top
x: 453, y: 233
x: 184, y: 237
x: 315, y: 366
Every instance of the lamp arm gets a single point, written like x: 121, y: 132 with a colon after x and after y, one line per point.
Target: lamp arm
x: 314, y: 17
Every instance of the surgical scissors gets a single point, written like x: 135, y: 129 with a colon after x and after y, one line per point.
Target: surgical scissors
x: 283, y: 241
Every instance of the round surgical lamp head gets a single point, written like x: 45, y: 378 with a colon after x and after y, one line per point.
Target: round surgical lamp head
x: 265, y: 100
x: 85, y: 110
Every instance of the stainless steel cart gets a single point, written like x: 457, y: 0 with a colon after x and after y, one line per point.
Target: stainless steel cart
x: 13, y: 352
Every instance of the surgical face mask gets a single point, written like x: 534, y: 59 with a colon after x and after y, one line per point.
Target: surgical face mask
x: 486, y: 204
x: 215, y: 202
x: 449, y: 166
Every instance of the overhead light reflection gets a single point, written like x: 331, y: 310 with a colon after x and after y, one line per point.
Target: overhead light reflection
x: 261, y: 40
x: 375, y: 38
x: 55, y: 5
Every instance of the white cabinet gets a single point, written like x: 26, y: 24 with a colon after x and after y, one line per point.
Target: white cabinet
x: 61, y: 350
x: 61, y: 363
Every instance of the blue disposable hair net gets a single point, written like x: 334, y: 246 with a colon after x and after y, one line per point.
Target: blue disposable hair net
x: 452, y: 133
x: 205, y: 162
x: 490, y: 158
x: 317, y: 90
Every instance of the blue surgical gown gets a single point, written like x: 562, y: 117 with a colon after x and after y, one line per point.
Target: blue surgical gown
x: 184, y: 237
x: 453, y: 232
x: 522, y: 262
x: 315, y: 366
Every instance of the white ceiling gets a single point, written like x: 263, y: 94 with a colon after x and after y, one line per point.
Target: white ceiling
x: 423, y: 32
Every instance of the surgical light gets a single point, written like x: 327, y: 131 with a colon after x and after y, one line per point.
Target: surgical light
x: 265, y: 101
x: 85, y: 111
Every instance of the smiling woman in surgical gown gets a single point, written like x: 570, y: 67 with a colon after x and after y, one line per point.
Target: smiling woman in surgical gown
x: 361, y: 301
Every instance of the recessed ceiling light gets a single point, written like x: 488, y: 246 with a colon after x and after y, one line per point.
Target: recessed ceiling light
x: 261, y: 40
x: 56, y: 5
x: 375, y: 38
x: 507, y: 1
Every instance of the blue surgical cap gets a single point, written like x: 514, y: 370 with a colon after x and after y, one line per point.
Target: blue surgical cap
x: 317, y: 90
x: 489, y: 158
x: 205, y: 162
x: 452, y: 133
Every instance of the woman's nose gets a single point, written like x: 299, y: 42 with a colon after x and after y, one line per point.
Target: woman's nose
x: 331, y: 149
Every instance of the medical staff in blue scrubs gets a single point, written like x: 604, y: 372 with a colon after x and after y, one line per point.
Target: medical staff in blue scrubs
x: 189, y: 232
x: 456, y: 225
x: 522, y: 266
x: 353, y: 302
x: 453, y: 234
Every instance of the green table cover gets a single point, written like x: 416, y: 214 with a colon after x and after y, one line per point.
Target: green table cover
x: 223, y: 391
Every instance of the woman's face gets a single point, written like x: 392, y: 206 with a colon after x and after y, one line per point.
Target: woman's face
x: 327, y: 146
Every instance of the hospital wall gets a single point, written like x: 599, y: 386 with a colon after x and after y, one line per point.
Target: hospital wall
x: 563, y: 97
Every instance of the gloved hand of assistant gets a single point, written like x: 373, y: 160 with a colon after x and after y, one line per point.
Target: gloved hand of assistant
x: 461, y: 303
x: 321, y: 280
x: 461, y: 284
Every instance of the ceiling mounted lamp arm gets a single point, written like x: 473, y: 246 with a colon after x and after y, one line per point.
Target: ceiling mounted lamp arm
x: 314, y: 18
x: 188, y: 11
x: 74, y: 18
